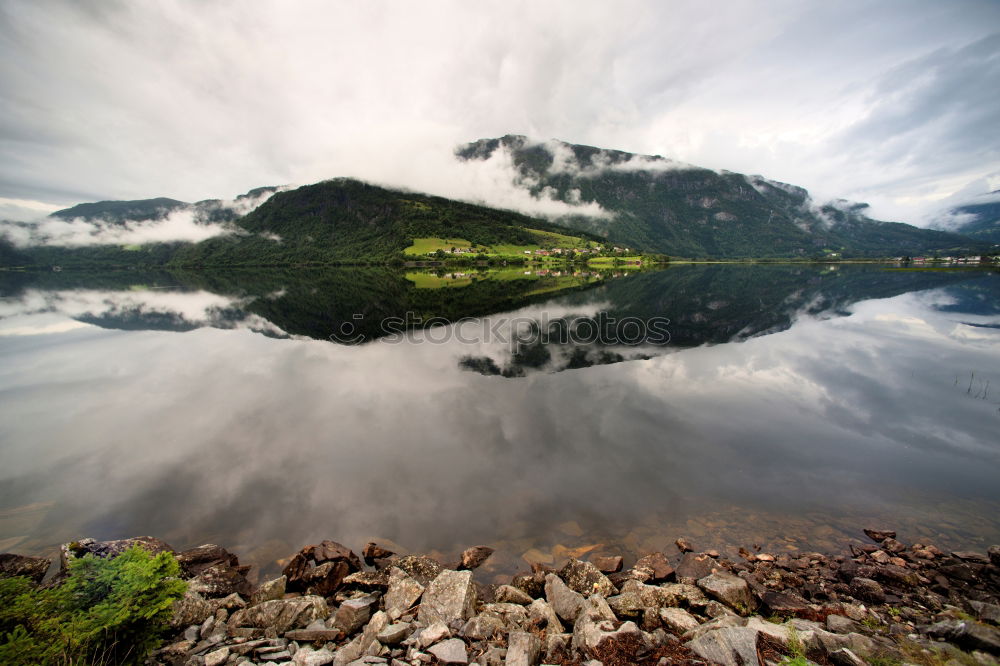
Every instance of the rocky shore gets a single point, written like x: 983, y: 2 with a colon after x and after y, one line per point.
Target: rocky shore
x: 885, y: 602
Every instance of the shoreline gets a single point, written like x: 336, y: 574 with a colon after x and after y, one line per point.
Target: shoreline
x: 881, y: 602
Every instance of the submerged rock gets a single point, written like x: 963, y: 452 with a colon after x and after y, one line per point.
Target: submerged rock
x: 475, y: 556
x: 32, y: 568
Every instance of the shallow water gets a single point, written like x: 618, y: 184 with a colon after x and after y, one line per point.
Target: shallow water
x: 790, y: 407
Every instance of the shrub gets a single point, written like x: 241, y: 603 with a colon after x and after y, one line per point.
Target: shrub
x: 106, y: 611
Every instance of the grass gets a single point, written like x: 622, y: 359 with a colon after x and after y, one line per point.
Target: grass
x: 431, y: 245
x: 610, y: 261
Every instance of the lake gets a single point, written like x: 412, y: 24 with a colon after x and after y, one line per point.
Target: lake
x: 544, y: 413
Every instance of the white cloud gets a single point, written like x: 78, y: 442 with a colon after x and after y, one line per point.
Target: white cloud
x: 194, y: 100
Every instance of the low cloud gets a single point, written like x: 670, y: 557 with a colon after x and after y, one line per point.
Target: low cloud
x: 190, y: 223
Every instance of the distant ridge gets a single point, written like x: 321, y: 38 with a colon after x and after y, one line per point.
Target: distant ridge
x: 683, y: 210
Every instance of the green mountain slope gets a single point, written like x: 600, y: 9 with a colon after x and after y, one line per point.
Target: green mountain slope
x: 682, y: 210
x: 345, y: 220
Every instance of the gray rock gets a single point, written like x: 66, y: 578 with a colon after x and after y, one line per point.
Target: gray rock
x: 967, y: 635
x: 727, y: 622
x: 217, y: 657
x: 451, y: 651
x: 678, y: 620
x: 510, y: 594
x: 190, y: 609
x: 839, y: 624
x: 542, y: 613
x: 678, y: 594
x: 307, y: 656
x: 269, y: 591
x: 556, y: 645
x: 985, y: 612
x: 403, y: 592
x: 229, y: 603
x: 33, y: 568
x: 355, y: 613
x: 844, y: 657
x: 437, y: 631
x: 484, y: 627
x: 450, y: 597
x: 586, y: 579
x: 564, y: 601
x: 729, y: 589
x: 358, y: 647
x: 281, y: 614
x: 394, y: 634
x: 732, y: 646
x: 522, y: 649
x: 593, y: 634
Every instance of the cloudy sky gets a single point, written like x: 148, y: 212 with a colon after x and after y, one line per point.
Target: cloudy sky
x: 890, y: 102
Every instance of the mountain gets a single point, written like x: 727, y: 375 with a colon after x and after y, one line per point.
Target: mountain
x: 346, y: 221
x: 980, y: 220
x: 120, y: 211
x: 678, y: 209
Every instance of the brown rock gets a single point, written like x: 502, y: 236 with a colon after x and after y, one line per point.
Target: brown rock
x: 684, y: 545
x: 878, y: 536
x: 220, y: 580
x: 475, y: 556
x: 612, y: 564
x: 33, y: 568
x: 694, y: 566
x: 892, y: 546
x: 865, y: 589
x: 296, y: 571
x: 374, y: 552
x: 195, y: 560
x: 331, y: 551
x: 327, y: 578
x: 655, y: 565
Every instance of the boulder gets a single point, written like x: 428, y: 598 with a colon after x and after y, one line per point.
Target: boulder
x: 729, y: 589
x: 713, y: 625
x: 967, y: 635
x: 541, y: 613
x: 217, y: 657
x: 190, y: 609
x: 865, y: 589
x: 564, y: 601
x: 331, y: 551
x: 373, y: 552
x: 33, y: 568
x: 597, y: 638
x: 221, y: 580
x: 522, y: 649
x: 510, y: 594
x: 368, y: 580
x: 732, y: 646
x: 195, y: 560
x: 355, y: 613
x: 684, y: 545
x: 437, y: 631
x: 678, y: 620
x: 359, y: 646
x: 451, y: 651
x: 307, y: 656
x: 422, y: 569
x: 612, y: 564
x: 69, y: 551
x: 475, y: 556
x: 281, y: 614
x: 269, y: 591
x: 326, y: 578
x: 586, y: 579
x: 394, y: 634
x: 985, y: 612
x: 402, y: 593
x: 845, y: 657
x: 694, y: 566
x: 450, y: 597
x: 784, y: 603
x: 652, y: 568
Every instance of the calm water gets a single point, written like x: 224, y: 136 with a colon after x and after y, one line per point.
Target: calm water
x: 787, y: 406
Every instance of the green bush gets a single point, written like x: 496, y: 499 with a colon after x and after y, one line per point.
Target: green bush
x: 106, y: 611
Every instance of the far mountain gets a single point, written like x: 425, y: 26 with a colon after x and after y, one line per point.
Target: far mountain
x: 141, y: 210
x: 980, y: 219
x: 660, y: 205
